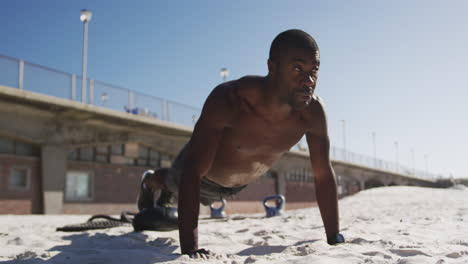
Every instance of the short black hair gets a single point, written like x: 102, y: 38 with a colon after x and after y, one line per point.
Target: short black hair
x: 291, y: 39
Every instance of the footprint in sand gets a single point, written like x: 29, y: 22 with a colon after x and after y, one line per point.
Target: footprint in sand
x: 457, y: 254
x: 163, y: 242
x: 408, y: 252
x: 303, y: 250
x: 377, y: 253
x: 459, y: 242
x: 26, y: 255
x: 15, y: 241
x: 255, y: 242
x: 360, y: 241
x: 261, y: 233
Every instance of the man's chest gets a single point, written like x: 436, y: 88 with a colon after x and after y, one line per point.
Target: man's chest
x: 255, y: 134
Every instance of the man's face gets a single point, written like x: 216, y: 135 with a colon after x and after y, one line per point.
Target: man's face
x: 296, y: 73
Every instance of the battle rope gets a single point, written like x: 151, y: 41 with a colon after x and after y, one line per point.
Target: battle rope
x: 100, y: 222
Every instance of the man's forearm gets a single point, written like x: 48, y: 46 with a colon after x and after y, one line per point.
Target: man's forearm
x: 327, y: 200
x: 188, y: 210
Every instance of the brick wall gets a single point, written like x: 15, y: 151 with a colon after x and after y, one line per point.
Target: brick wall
x: 300, y: 192
x: 25, y: 201
x: 114, y: 188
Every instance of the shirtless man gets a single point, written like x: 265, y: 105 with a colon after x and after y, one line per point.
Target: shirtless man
x: 245, y: 126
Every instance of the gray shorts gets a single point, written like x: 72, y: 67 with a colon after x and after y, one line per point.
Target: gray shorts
x: 209, y: 191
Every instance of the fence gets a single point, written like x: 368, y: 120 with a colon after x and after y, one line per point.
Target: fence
x: 340, y: 154
x: 36, y: 78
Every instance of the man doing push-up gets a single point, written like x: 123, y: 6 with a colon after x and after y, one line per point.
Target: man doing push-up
x: 245, y: 126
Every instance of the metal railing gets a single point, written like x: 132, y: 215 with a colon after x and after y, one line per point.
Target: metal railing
x: 36, y: 78
x: 340, y: 154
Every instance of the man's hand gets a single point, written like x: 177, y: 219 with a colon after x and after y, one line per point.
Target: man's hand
x: 335, y: 239
x: 201, y: 254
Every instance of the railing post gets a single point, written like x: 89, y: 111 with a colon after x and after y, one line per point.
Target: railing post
x: 163, y: 117
x: 83, y: 90
x: 73, y: 87
x: 91, y: 91
x: 21, y: 75
x: 168, y: 114
x: 130, y: 100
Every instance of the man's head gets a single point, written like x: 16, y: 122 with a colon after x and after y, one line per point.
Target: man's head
x: 293, y: 66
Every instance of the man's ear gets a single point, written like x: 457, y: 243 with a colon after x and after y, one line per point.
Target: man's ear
x: 271, y: 66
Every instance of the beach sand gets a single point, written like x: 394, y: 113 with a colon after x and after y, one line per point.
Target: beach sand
x: 381, y: 225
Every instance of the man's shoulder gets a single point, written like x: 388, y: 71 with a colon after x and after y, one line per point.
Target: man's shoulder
x: 250, y: 88
x: 228, y: 98
x: 315, y: 111
x: 316, y: 106
x: 237, y: 91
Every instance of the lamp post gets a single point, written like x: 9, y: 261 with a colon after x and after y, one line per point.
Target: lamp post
x: 426, y: 165
x: 396, y: 156
x: 343, y: 123
x: 85, y: 17
x: 375, y: 148
x: 224, y: 73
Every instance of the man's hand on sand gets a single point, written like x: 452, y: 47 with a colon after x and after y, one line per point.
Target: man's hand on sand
x: 335, y: 239
x: 201, y: 254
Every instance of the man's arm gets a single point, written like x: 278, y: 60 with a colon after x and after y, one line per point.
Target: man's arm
x: 325, y: 183
x: 201, y: 150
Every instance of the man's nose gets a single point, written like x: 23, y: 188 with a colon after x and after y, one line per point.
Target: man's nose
x: 308, y: 81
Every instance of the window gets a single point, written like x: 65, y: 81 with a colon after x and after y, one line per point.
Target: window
x: 10, y: 146
x: 18, y: 179
x: 300, y: 175
x: 73, y: 155
x: 87, y: 154
x: 7, y: 146
x: 154, y: 158
x: 117, y: 149
x: 24, y: 149
x: 78, y: 186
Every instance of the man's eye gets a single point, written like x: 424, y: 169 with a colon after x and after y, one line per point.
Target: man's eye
x: 297, y: 68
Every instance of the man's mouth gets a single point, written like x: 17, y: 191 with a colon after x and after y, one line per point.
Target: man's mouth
x: 306, y: 97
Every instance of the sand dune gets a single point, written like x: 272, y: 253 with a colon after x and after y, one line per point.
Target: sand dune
x: 381, y: 225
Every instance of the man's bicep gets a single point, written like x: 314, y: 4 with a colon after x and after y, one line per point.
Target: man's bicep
x: 208, y: 131
x: 202, y: 149
x: 318, y: 139
x: 319, y: 150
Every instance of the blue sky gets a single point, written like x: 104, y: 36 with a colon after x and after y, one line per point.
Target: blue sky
x: 394, y: 67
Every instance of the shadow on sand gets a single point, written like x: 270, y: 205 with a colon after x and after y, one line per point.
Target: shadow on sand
x: 265, y: 250
x: 100, y: 248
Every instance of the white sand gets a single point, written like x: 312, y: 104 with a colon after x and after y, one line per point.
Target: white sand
x: 382, y: 225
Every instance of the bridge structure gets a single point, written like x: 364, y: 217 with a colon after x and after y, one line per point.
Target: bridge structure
x: 41, y: 107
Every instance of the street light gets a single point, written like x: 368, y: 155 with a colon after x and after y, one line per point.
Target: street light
x: 426, y: 165
x: 343, y: 122
x: 85, y: 17
x: 375, y: 148
x: 224, y: 73
x: 396, y: 156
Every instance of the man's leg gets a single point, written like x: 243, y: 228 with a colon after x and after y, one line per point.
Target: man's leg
x: 150, y: 182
